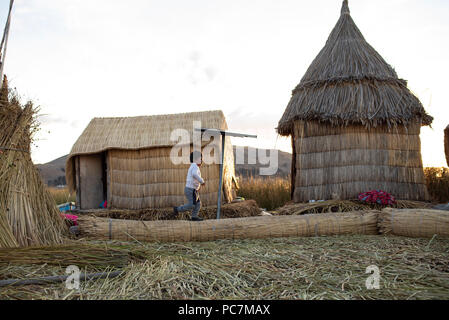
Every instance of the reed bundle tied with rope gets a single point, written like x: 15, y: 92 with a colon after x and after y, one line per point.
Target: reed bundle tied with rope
x: 239, y: 228
x: 416, y: 223
x: 28, y: 214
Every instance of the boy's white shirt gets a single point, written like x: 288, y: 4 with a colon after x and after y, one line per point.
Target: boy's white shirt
x: 194, y: 179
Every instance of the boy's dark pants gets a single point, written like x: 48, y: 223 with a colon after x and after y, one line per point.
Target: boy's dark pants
x: 194, y: 202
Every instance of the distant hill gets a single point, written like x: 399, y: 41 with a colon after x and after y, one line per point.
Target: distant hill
x: 284, y: 164
x: 53, y: 172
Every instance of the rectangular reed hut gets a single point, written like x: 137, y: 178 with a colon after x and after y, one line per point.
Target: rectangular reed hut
x: 126, y: 161
x: 354, y: 124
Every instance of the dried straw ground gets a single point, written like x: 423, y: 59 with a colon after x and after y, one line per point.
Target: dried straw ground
x: 293, y: 268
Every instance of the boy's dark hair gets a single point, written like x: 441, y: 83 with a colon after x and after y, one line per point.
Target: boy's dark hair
x: 195, y: 155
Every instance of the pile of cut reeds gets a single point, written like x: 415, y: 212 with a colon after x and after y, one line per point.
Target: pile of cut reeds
x: 248, y: 208
x: 28, y: 214
x: 362, y: 222
x: 437, y: 181
x: 416, y: 223
x: 344, y: 206
x: 270, y: 193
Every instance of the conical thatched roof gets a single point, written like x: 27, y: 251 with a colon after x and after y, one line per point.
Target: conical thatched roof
x: 349, y: 82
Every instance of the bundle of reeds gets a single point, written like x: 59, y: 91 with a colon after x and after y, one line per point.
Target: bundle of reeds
x: 344, y: 206
x: 363, y: 222
x: 28, y: 214
x: 416, y: 223
x: 248, y: 208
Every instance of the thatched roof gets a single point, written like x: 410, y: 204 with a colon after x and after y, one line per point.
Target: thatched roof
x: 133, y: 133
x: 349, y: 82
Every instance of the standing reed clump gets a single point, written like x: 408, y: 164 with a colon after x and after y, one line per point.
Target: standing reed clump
x: 28, y: 214
x: 437, y: 181
x: 62, y: 195
x: 270, y: 193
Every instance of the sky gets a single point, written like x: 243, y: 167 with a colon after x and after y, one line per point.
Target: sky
x: 79, y: 59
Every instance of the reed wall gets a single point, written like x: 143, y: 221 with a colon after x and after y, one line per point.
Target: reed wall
x: 148, y: 178
x: 344, y: 161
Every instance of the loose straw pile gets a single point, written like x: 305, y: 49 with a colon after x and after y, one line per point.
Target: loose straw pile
x: 247, y: 208
x: 28, y: 214
x: 344, y: 206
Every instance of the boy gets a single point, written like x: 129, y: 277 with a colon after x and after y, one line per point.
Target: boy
x: 193, y: 184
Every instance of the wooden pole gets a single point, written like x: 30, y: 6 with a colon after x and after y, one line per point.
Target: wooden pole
x: 4, y: 42
x: 220, y: 184
x: 223, y: 135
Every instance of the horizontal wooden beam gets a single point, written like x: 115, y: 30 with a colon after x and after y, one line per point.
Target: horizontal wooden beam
x: 227, y: 133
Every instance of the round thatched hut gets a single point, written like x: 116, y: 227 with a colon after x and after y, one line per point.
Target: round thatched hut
x: 354, y: 124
